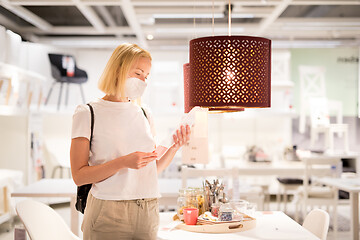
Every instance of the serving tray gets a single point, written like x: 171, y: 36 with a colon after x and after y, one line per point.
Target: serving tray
x: 231, y: 227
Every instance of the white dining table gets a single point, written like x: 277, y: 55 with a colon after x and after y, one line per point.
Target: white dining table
x: 351, y: 185
x: 271, y: 225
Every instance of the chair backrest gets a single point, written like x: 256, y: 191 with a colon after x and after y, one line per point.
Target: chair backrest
x: 42, y: 222
x: 327, y: 163
x: 317, y: 222
x: 62, y: 62
x: 57, y: 150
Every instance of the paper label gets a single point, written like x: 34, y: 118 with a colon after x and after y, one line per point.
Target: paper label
x: 160, y: 151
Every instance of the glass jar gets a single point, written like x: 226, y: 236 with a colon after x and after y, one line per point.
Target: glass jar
x: 200, y: 200
x: 226, y: 212
x: 251, y: 209
x: 181, y: 203
x: 239, y: 205
x: 215, y: 207
x: 190, y: 196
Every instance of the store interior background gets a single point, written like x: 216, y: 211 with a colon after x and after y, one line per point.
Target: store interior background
x: 229, y: 134
x: 36, y: 136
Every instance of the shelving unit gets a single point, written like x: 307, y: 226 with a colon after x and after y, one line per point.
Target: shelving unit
x: 19, y: 87
x: 9, y: 180
x: 5, y: 214
x: 21, y: 94
x: 21, y: 144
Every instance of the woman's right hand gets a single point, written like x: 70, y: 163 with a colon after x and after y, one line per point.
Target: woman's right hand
x: 137, y: 160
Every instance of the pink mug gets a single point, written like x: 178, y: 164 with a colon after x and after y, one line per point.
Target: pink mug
x: 190, y: 215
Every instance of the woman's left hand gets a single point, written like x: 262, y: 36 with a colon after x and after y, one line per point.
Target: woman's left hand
x: 181, y: 137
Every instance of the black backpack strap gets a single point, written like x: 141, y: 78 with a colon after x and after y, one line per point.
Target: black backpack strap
x: 144, y: 112
x: 83, y: 190
x: 92, y: 122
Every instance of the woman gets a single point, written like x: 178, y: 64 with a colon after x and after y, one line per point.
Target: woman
x: 122, y: 164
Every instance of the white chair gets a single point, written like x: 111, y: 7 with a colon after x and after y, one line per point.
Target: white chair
x: 310, y: 195
x: 312, y: 84
x: 56, y: 151
x: 42, y: 222
x: 287, y: 186
x: 320, y: 108
x: 317, y: 222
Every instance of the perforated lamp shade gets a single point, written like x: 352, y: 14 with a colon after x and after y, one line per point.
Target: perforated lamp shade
x: 186, y: 70
x: 229, y: 73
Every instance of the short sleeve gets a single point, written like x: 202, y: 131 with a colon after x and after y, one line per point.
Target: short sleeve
x: 81, y: 122
x: 151, y: 120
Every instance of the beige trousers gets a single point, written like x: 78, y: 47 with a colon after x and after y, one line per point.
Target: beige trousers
x: 125, y: 219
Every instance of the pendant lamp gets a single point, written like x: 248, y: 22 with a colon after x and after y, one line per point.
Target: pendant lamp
x: 228, y: 73
x: 186, y: 71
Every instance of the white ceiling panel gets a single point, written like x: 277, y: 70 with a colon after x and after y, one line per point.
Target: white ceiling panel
x: 167, y: 24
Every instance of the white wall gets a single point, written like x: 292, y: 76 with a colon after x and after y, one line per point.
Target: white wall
x: 2, y: 43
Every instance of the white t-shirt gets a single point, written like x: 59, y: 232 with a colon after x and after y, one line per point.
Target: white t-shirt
x: 120, y: 128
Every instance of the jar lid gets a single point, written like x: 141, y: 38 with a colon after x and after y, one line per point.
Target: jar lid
x: 225, y: 207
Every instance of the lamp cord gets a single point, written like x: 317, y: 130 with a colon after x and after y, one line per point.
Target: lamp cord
x: 213, y: 18
x: 194, y: 33
x: 229, y: 17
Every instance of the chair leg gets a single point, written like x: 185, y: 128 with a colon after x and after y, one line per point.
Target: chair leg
x: 49, y: 93
x: 304, y: 210
x: 54, y: 171
x: 261, y: 202
x: 335, y: 222
x: 346, y: 140
x: 278, y: 199
x: 313, y: 136
x: 67, y: 94
x: 59, y: 100
x: 285, y: 200
x: 297, y: 211
x: 267, y: 200
x: 82, y: 93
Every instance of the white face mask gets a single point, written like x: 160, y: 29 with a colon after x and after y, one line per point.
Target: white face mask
x: 134, y: 88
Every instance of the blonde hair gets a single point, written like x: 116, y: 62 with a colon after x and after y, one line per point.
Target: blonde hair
x: 112, y: 80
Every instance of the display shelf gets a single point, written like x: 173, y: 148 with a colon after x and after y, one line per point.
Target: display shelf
x: 21, y: 88
x: 281, y: 85
x: 8, y: 71
x: 13, y: 111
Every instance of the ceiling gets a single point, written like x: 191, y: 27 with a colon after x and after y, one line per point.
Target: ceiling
x: 170, y: 24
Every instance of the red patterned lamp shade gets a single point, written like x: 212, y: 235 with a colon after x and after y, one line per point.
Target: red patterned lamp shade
x: 186, y: 70
x: 228, y: 73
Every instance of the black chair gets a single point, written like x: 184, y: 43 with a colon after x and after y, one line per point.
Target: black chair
x: 64, y: 70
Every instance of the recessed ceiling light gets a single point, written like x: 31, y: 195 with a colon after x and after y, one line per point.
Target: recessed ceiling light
x: 188, y: 15
x: 150, y: 37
